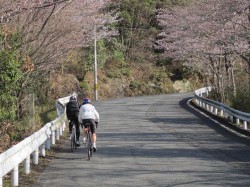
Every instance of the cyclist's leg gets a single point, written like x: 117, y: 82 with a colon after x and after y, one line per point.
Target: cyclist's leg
x: 70, y: 125
x: 85, y: 121
x: 77, y: 129
x: 94, y: 141
x: 77, y: 136
x: 84, y: 132
x: 93, y: 130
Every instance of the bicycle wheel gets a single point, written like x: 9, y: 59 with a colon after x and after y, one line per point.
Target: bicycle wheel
x: 73, y: 140
x: 89, y: 146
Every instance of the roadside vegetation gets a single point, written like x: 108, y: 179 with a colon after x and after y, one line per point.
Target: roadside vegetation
x: 143, y: 48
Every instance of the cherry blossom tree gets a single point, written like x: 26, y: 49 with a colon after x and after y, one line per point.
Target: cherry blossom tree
x: 207, y: 33
x: 51, y: 31
x: 11, y: 8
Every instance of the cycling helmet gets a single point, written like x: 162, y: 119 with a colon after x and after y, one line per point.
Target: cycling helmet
x: 72, y: 98
x: 86, y: 100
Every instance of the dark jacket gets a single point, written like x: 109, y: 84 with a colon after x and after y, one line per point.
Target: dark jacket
x: 72, y: 109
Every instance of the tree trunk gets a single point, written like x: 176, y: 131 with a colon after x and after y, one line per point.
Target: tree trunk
x: 233, y: 81
x: 31, y: 109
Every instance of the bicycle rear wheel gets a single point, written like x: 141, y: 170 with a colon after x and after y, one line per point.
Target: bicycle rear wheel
x: 73, y: 140
x: 89, y: 146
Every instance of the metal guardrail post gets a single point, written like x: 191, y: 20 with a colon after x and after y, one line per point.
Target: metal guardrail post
x: 61, y: 130
x: 35, y: 156
x: 237, y: 121
x: 14, y: 176
x: 64, y: 126
x: 231, y: 118
x: 211, y: 109
x: 216, y: 111
x: 47, y: 144
x: 245, y: 124
x: 221, y: 113
x: 27, y: 165
x: 58, y: 134
x: 42, y: 150
x: 53, y: 138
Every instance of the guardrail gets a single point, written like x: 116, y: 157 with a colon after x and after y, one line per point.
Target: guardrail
x: 31, y: 146
x: 236, y: 117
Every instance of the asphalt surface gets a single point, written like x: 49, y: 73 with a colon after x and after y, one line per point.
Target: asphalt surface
x: 153, y: 141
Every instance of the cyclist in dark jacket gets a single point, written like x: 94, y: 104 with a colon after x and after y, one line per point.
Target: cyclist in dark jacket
x: 72, y: 112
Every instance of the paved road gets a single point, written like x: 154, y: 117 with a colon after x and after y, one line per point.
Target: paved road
x: 154, y: 141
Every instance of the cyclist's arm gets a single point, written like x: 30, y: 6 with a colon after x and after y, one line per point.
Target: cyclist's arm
x: 97, y: 117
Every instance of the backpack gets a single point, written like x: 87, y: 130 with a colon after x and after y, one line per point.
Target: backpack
x: 72, y: 108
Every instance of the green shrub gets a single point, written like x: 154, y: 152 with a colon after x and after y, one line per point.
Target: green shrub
x: 242, y: 100
x: 10, y: 76
x: 126, y: 72
x: 113, y: 73
x: 134, y: 85
x: 84, y: 85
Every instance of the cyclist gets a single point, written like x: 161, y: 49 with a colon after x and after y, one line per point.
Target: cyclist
x: 88, y: 114
x: 72, y: 112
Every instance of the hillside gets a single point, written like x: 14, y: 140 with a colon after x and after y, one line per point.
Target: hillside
x: 142, y: 80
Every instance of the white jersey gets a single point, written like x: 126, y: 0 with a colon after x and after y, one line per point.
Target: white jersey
x: 88, y: 111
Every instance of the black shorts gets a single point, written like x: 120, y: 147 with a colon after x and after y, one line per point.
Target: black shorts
x: 91, y: 123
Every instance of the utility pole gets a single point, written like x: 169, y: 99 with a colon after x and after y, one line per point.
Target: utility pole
x: 95, y: 68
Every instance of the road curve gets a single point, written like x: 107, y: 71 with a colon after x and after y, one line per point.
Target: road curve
x: 154, y: 141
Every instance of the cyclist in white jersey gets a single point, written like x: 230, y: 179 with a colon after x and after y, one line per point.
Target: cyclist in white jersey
x: 88, y: 114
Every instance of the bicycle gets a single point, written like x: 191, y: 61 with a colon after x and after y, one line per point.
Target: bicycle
x: 73, y: 137
x: 88, y: 141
